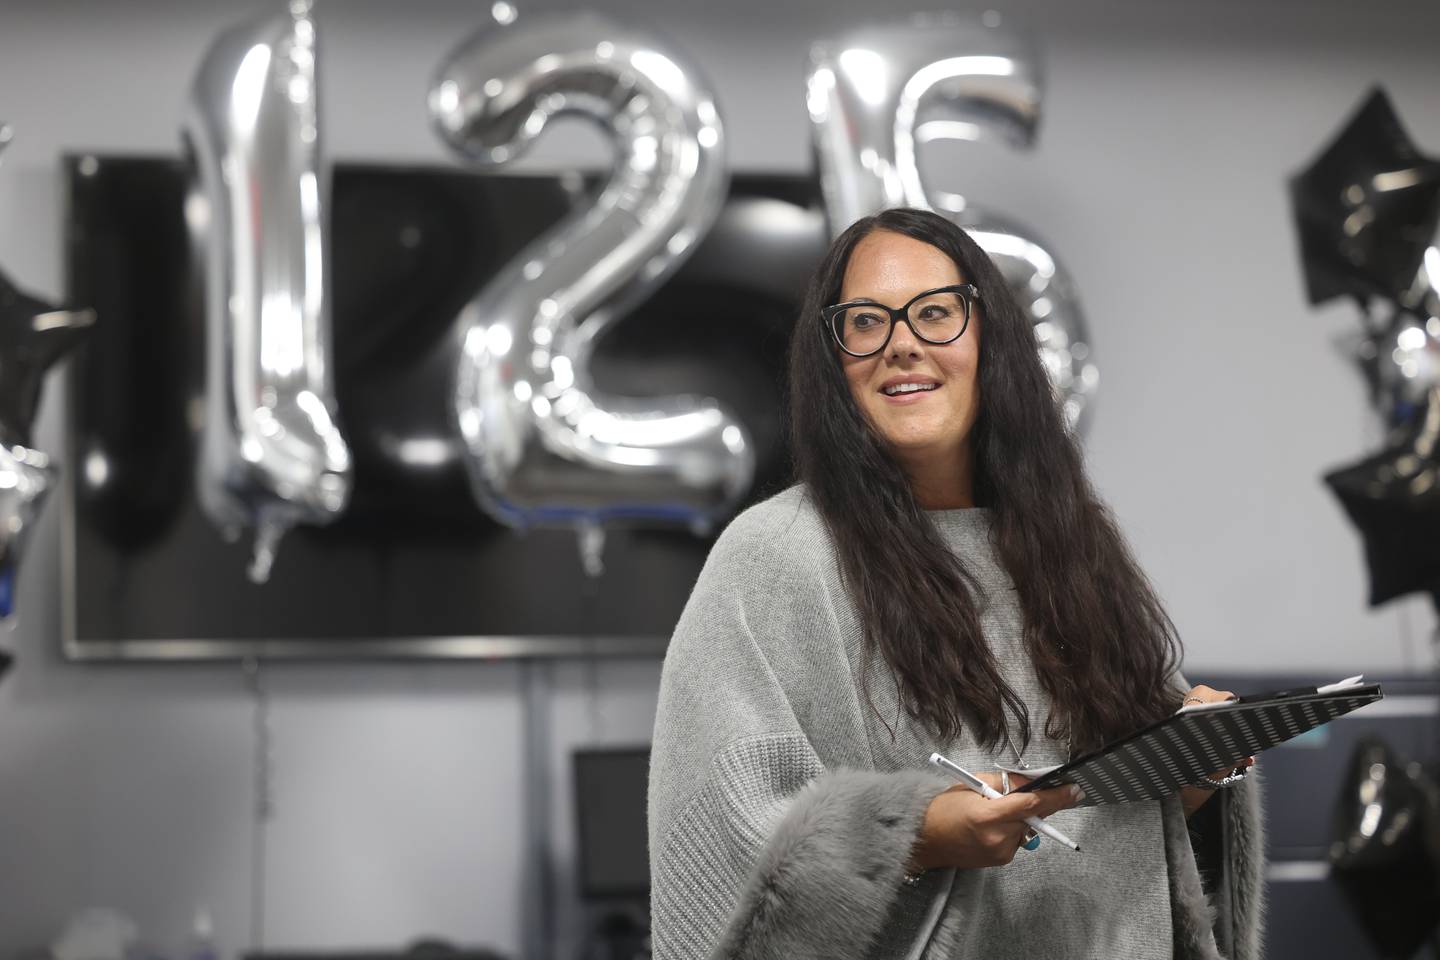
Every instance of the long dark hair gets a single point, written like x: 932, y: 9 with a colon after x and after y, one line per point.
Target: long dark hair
x: 1100, y: 641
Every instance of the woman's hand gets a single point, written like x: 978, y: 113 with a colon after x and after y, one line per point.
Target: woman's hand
x: 964, y: 829
x: 1193, y: 798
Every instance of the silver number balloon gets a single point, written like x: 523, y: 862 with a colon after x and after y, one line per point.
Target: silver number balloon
x: 271, y: 453
x: 26, y: 478
x: 876, y: 95
x: 1424, y: 294
x: 543, y: 445
x: 33, y: 336
x: 1399, y: 355
x: 1407, y: 353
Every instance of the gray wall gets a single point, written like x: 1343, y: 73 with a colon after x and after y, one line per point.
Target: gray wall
x: 1159, y: 179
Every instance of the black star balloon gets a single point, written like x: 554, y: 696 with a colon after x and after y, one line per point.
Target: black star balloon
x: 33, y: 336
x: 1386, y: 852
x: 1366, y: 208
x: 1393, y: 498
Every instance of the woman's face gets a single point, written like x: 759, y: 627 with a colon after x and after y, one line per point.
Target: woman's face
x: 924, y: 428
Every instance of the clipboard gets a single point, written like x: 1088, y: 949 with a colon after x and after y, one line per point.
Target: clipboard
x: 1198, y: 740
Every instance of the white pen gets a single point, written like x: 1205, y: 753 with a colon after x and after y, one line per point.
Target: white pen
x: 985, y: 790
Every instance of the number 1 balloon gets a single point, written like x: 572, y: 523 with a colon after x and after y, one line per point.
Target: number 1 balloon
x: 544, y: 445
x: 876, y: 95
x: 33, y: 336
x: 271, y: 453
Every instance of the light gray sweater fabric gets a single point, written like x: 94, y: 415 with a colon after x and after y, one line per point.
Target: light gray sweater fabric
x: 782, y: 810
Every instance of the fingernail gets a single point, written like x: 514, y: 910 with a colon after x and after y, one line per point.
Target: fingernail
x: 1076, y: 793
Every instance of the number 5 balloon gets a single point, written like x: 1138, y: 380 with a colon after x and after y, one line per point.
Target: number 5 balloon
x: 271, y: 454
x: 876, y: 94
x: 544, y: 446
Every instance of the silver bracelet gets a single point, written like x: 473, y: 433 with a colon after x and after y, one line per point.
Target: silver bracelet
x: 1236, y: 775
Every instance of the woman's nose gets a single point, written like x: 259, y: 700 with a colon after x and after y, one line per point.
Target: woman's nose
x: 903, y: 341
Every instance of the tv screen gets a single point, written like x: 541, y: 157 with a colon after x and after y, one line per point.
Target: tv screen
x: 413, y: 567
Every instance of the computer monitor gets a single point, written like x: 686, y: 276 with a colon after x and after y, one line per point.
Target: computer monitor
x: 610, y: 785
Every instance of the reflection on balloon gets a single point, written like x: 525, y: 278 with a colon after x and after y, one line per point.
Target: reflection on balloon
x: 877, y: 94
x: 271, y: 453
x: 543, y: 445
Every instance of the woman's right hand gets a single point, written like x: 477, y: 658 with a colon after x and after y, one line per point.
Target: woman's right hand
x: 964, y: 829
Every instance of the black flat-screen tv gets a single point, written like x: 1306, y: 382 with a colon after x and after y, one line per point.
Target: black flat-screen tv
x: 413, y: 567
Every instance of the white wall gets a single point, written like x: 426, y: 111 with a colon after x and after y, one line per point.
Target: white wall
x: 1169, y: 130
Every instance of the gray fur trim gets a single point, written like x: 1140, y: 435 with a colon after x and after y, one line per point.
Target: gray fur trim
x: 1236, y: 916
x: 1245, y: 865
x: 1192, y: 916
x: 830, y: 873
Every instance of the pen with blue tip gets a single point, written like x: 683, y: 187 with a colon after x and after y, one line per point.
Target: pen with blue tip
x: 989, y: 792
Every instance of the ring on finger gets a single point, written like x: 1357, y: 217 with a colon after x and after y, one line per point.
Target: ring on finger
x: 1031, y: 841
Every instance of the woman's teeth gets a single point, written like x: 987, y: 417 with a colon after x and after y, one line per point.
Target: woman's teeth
x: 908, y: 388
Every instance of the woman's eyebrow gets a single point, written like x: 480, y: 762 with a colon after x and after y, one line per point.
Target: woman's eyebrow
x: 868, y: 299
x: 898, y: 300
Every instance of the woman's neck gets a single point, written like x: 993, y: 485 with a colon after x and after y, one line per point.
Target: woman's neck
x: 943, y: 482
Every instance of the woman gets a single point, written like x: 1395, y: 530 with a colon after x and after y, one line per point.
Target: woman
x: 943, y: 578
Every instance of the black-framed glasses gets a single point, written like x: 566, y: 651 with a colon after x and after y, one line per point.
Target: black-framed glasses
x: 863, y: 327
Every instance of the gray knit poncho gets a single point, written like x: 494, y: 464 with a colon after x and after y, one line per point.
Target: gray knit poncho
x: 782, y: 811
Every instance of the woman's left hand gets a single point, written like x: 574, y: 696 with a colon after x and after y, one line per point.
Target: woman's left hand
x: 1193, y: 798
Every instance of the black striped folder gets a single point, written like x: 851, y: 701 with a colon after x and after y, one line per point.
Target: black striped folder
x: 1177, y: 751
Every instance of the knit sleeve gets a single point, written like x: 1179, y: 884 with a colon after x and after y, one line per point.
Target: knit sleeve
x: 757, y: 850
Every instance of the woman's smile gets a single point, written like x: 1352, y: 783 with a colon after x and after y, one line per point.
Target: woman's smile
x: 903, y: 390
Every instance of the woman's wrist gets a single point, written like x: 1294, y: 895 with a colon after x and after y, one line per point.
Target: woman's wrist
x: 1235, y: 776
x: 924, y: 855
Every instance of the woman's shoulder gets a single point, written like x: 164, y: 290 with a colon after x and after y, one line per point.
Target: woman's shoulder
x: 776, y: 545
x: 784, y: 527
x: 772, y: 568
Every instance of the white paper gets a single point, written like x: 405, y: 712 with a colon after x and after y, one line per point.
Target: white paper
x: 1347, y: 682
